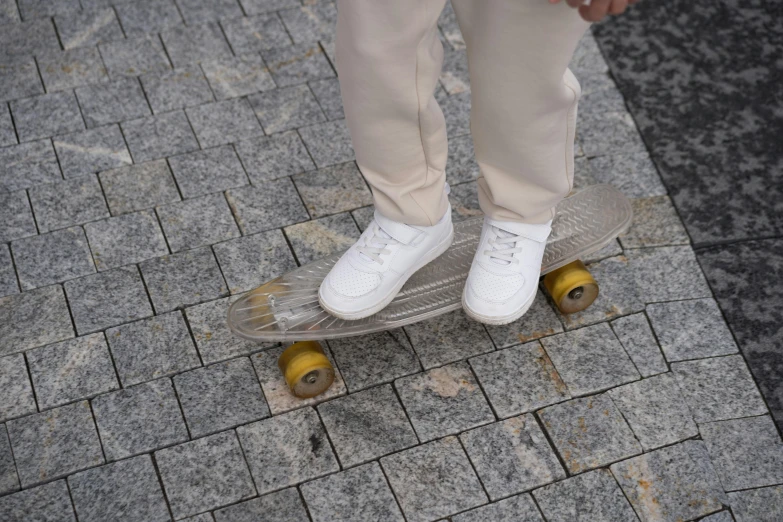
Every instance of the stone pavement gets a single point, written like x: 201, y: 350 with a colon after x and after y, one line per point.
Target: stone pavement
x: 159, y: 158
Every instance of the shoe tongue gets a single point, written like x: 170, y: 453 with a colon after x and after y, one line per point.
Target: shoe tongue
x: 380, y: 233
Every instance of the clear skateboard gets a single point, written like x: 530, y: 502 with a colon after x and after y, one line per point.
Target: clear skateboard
x: 287, y: 308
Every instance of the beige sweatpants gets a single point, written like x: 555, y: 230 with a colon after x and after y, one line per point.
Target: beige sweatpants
x: 524, y: 101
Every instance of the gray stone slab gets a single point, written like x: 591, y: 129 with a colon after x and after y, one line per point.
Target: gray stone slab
x: 655, y: 223
x: 126, y: 490
x: 274, y: 157
x: 287, y: 449
x: 328, y: 143
x: 719, y: 389
x: 313, y: 240
x: 16, y: 393
x: 297, y: 64
x: 55, y: 443
x: 28, y: 38
x: 63, y: 70
x: 363, y: 216
x: 46, y: 115
x: 454, y: 76
x: 433, y: 480
x: 224, y: 122
x: 267, y: 205
x: 610, y: 132
x: 655, y: 410
x: 203, y: 517
x: 589, y: 433
x: 8, y: 282
x: 42, y: 8
x: 611, y: 250
x: 52, y: 258
x: 220, y: 396
x: 667, y: 274
x: 327, y: 92
x: 311, y: 23
x: 747, y: 453
x: 634, y: 174
x: 152, y: 348
x: 519, y: 379
x: 757, y: 505
x: 112, y: 102
x: 462, y: 166
x: 520, y: 508
x: 590, y: 496
x: 158, y: 136
x: 691, y: 329
x: 16, y: 216
x: 464, y: 202
x: 456, y: 111
x: 590, y: 359
x: 126, y: 239
x: 204, y: 474
x: 637, y: 338
x: 137, y: 187
x: 512, y: 456
x: 587, y: 57
x: 134, y: 56
x: 71, y: 370
x: 107, y: 299
x: 367, y: 425
x: 183, y: 279
x: 33, y: 319
x: 539, y: 321
x: 9, y: 480
x: 49, y: 502
x: 88, y: 28
x: 23, y: 166
x: 8, y: 12
x: 176, y: 89
x: 139, y: 419
x: 19, y: 78
x: 355, y: 495
x: 92, y: 150
x: 447, y: 22
x: 67, y: 203
x: 197, y: 222
x: 147, y: 16
x: 333, y: 189
x: 673, y: 483
x: 7, y: 131
x: 206, y: 171
x: 722, y: 516
x: 257, y: 33
x: 282, y: 505
x: 250, y: 261
x: 198, y: 11
x: 195, y: 43
x: 253, y: 7
x: 448, y: 338
x: 280, y: 110
x: 238, y: 76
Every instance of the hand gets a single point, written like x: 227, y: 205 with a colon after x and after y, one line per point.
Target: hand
x: 596, y: 10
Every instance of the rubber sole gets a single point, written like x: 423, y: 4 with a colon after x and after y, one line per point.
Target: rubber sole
x: 498, y: 320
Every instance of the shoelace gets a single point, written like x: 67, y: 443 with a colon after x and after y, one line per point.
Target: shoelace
x: 500, y: 255
x: 375, y: 245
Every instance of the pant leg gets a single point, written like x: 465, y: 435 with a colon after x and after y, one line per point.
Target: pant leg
x: 389, y: 58
x: 524, y: 102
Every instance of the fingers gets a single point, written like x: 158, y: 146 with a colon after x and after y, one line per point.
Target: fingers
x: 618, y: 7
x: 595, y: 11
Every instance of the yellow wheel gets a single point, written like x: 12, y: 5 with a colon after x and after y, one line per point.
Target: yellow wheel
x: 572, y: 287
x: 306, y: 369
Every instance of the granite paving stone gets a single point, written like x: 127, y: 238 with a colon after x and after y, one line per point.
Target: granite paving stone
x: 280, y: 110
x: 158, y: 136
x: 107, y: 299
x: 203, y: 517
x: 462, y: 166
x: 667, y: 274
x: 183, y: 279
x: 125, y: 240
x: 139, y: 419
x: 7, y: 131
x: 311, y: 23
x: 63, y: 70
x: 195, y: 43
x: 456, y: 111
x: 330, y: 49
x: 464, y: 202
x: 220, y: 396
x: 125, y: 490
x: 19, y: 78
x: 590, y: 359
x: 757, y: 505
x: 719, y: 389
x: 46, y: 115
x: 655, y: 410
x: 147, y: 16
x: 8, y: 282
x: 587, y: 57
x: 539, y: 321
x: 42, y: 8
x: 54, y: 443
x: 176, y: 89
x: 88, y: 28
x: 355, y: 495
x: 204, y: 474
x: 636, y: 336
x: 92, y: 150
x: 224, y: 122
x: 587, y: 497
x: 363, y: 216
x: 519, y: 379
x: 27, y: 38
x: 238, y: 76
x: 134, y: 56
x: 267, y: 205
x: 25, y: 165
x: 722, y: 516
x: 454, y: 75
x: 16, y: 393
x: 33, y: 319
x: 672, y: 483
x: 250, y: 261
x: 274, y: 156
x: 747, y: 453
x: 297, y: 64
x: 254, y: 7
x: 287, y: 449
x: 71, y: 370
x: 448, y: 338
x: 634, y: 174
x: 112, y: 102
x: 611, y: 132
x: 67, y: 203
x: 520, y: 508
x: 48, y: 502
x: 281, y: 505
x: 8, y: 12
x: 655, y: 223
x: 197, y: 11
x: 197, y: 222
x: 9, y: 480
x: 589, y: 432
x: 327, y: 92
x: 313, y: 240
x: 329, y: 143
x: 137, y: 187
x: 333, y: 189
x: 433, y: 480
x: 52, y: 258
x: 254, y: 34
x: 367, y: 425
x: 206, y: 171
x: 447, y: 22
x: 691, y: 329
x: 512, y: 456
x: 613, y: 249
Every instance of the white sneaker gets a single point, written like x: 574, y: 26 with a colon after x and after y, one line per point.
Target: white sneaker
x: 368, y: 276
x: 503, y: 278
